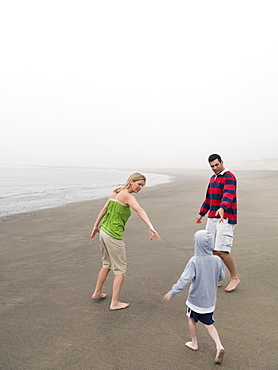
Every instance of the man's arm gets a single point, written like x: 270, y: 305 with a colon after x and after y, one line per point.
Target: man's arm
x: 229, y: 192
x: 204, y: 208
x: 220, y: 213
x: 199, y: 219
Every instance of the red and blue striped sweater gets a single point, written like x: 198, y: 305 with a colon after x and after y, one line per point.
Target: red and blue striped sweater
x: 221, y: 192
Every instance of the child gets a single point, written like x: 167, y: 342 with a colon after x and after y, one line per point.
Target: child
x: 203, y: 271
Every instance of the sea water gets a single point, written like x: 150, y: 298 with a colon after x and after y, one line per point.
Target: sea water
x: 28, y: 189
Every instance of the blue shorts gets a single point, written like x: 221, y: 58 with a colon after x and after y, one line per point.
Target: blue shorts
x: 205, y: 318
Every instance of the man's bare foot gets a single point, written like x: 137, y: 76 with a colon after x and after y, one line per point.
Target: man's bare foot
x: 219, y: 284
x: 119, y: 306
x: 192, y: 346
x: 100, y: 296
x: 219, y: 356
x: 233, y: 284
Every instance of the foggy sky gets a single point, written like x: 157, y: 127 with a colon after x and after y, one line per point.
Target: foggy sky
x: 138, y: 84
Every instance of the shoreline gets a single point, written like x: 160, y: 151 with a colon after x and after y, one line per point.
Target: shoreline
x: 24, y: 192
x: 75, y: 203
x: 177, y: 175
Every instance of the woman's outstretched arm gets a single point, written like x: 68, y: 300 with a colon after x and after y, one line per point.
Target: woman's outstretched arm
x: 132, y: 202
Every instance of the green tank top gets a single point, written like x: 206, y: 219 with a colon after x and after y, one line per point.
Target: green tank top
x: 115, y: 219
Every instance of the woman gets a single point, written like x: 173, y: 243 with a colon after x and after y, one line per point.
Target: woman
x: 115, y: 214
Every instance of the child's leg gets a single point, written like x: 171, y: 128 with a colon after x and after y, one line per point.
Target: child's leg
x: 193, y: 333
x: 214, y: 334
x: 219, y: 348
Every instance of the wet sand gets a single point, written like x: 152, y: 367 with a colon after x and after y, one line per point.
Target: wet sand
x: 49, y: 268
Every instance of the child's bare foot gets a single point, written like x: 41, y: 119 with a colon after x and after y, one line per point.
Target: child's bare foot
x: 99, y: 296
x: 192, y: 345
x: 118, y: 306
x: 219, y: 356
x: 233, y: 284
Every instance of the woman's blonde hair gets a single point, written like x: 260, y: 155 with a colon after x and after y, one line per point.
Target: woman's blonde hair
x: 136, y: 176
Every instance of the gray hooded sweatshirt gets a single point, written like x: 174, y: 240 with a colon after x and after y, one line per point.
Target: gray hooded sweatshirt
x: 203, y: 271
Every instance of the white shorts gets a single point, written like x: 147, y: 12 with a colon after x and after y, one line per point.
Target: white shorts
x: 222, y: 233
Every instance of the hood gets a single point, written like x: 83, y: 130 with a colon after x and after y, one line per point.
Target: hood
x: 203, y: 243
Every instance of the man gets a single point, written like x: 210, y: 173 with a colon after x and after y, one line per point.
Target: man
x: 221, y: 205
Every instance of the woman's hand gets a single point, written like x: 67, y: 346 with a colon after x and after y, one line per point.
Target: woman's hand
x: 154, y: 234
x: 94, y: 232
x: 166, y: 297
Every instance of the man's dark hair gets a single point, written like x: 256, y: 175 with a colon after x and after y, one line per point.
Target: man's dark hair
x: 213, y: 157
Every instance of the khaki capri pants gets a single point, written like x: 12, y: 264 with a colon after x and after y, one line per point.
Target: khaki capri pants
x: 113, y: 253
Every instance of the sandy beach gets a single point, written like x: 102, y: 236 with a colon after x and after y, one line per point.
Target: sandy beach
x: 49, y: 268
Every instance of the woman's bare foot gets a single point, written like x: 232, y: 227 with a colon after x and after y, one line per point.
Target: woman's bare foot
x: 99, y: 296
x: 233, y: 284
x: 219, y: 356
x: 192, y: 345
x: 219, y: 284
x: 118, y: 306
